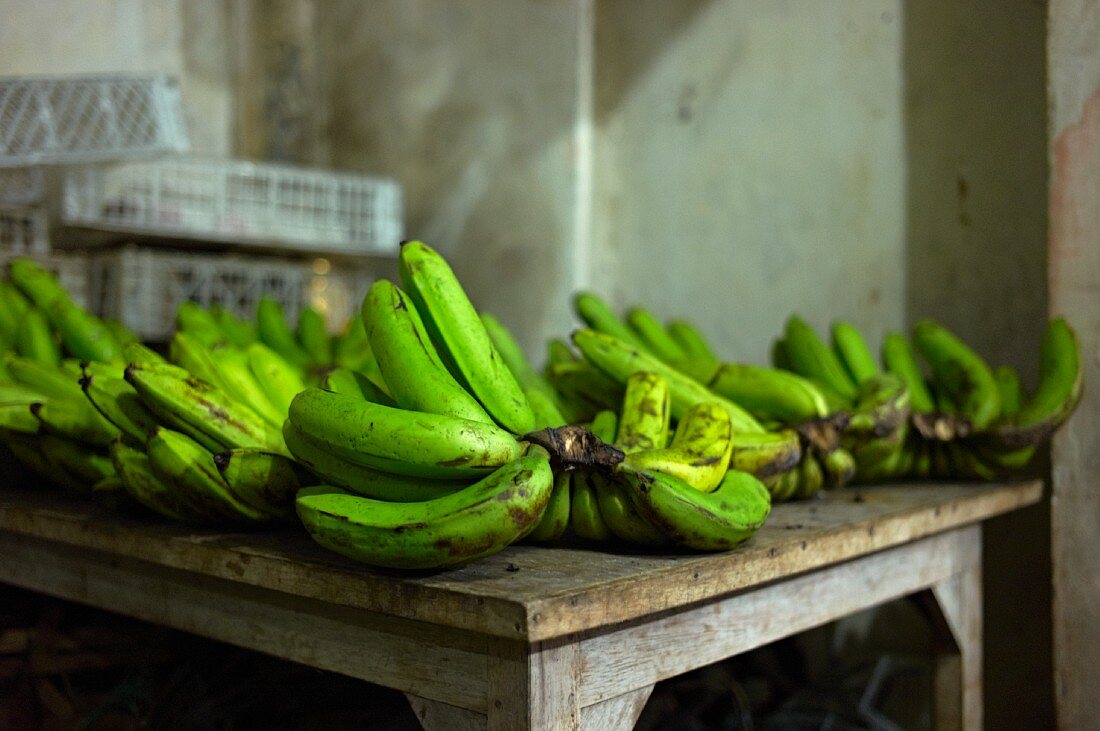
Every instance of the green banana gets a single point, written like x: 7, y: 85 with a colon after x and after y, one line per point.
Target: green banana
x: 137, y: 353
x: 811, y: 478
x: 236, y: 378
x: 84, y: 335
x: 235, y: 330
x: 477, y: 521
x: 555, y: 518
x: 13, y: 393
x: 648, y: 330
x: 35, y: 341
x: 461, y: 338
x: 13, y: 305
x: 839, y: 467
x: 699, y: 453
x: 86, y: 465
x: 620, y: 516
x: 1060, y: 380
x: 313, y: 336
x: 280, y: 380
x: 619, y: 360
x: 967, y: 378
x: 765, y: 453
x: 547, y: 410
x: 77, y: 420
x: 528, y: 378
x: 195, y: 320
x: 644, y: 419
x: 714, y: 521
x: 882, y: 406
x: 261, y: 480
x: 782, y: 486
x: 399, y: 441
x: 193, y: 355
x: 770, y: 393
x: 1010, y: 389
x: 586, y: 389
x: 853, y: 352
x: 273, y: 331
x: 600, y: 317
x: 122, y: 334
x: 558, y: 351
x: 585, y: 519
x: 353, y: 383
x: 364, y: 480
x: 142, y: 484
x: 50, y: 381
x: 411, y: 366
x: 39, y: 285
x: 117, y: 401
x: 17, y: 417
x: 810, y: 357
x: 28, y: 450
x: 898, y: 358
x: 195, y: 407
x: 691, y: 341
x: 353, y: 351
x: 185, y: 465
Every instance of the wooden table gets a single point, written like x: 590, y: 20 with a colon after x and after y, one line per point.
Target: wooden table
x: 533, y: 637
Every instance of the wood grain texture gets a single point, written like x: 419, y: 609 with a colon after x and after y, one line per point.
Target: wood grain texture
x: 528, y: 592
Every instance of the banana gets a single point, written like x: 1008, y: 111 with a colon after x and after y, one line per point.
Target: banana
x: 137, y: 353
x: 353, y: 383
x: 13, y: 305
x: 235, y: 330
x: 364, y: 480
x: 28, y: 450
x: 50, y: 381
x: 714, y: 521
x: 652, y: 334
x: 40, y: 286
x: 399, y: 441
x: 584, y: 388
x: 967, y: 379
x: 839, y: 468
x: 780, y: 359
x: 547, y: 410
x: 781, y: 486
x: 558, y: 351
x: 122, y: 334
x: 411, y: 366
x: 811, y: 358
x: 770, y: 393
x: 261, y: 480
x: 196, y: 407
x: 17, y: 417
x: 599, y: 316
x: 811, y: 478
x: 353, y: 351
x: 555, y: 518
x: 853, y: 352
x: 237, y: 380
x: 280, y: 380
x: 13, y: 393
x: 273, y: 331
x: 35, y: 341
x: 86, y: 465
x: 77, y: 420
x: 195, y: 320
x: 476, y: 521
x: 146, y: 488
x: 117, y: 401
x: 620, y: 516
x: 585, y: 518
x: 84, y: 335
x: 194, y: 355
x: 766, y: 453
x: 1060, y: 381
x: 1010, y: 389
x: 882, y: 406
x: 511, y: 353
x: 619, y: 360
x: 898, y: 358
x: 644, y: 419
x: 459, y: 334
x: 699, y: 453
x: 185, y: 465
x: 313, y: 336
x: 691, y: 341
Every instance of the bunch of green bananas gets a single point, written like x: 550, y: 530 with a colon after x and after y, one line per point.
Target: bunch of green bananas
x: 963, y: 419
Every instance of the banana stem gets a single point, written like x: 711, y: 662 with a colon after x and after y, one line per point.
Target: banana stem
x: 823, y: 434
x: 573, y: 447
x: 941, y: 427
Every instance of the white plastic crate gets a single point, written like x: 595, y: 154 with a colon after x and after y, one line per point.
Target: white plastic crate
x: 142, y: 287
x: 80, y: 119
x: 21, y: 186
x: 24, y: 230
x: 71, y: 270
x: 235, y: 202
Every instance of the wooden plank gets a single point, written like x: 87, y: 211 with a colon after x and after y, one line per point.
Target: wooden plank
x: 638, y: 655
x: 530, y: 592
x: 437, y: 663
x: 1074, y: 275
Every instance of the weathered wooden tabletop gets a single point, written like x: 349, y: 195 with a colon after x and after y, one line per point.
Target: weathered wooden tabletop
x: 528, y: 592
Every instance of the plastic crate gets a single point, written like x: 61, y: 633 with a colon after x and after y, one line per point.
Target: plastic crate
x: 21, y: 186
x: 71, y: 270
x: 80, y: 119
x: 143, y: 287
x: 24, y: 230
x: 234, y: 202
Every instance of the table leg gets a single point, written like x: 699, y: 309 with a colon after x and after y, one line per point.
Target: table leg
x: 955, y: 608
